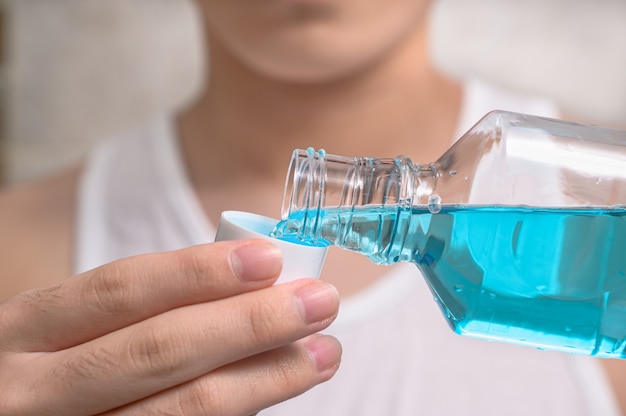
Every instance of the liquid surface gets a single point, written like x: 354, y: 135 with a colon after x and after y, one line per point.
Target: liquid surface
x: 549, y: 278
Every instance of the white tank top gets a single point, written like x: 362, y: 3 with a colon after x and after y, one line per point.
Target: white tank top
x: 400, y: 358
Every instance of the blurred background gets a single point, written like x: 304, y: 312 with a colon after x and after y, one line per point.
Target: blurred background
x: 75, y: 71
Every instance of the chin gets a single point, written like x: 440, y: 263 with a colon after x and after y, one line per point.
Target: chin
x: 307, y: 74
x: 313, y: 68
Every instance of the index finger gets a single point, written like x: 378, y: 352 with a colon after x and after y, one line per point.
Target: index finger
x: 127, y: 291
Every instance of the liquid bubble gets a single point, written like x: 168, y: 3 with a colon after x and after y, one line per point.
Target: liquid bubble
x: 434, y: 204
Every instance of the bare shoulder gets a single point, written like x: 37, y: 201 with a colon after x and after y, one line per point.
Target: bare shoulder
x: 37, y: 224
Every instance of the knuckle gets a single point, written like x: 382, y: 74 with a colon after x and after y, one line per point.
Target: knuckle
x: 78, y: 367
x: 89, y: 363
x: 205, y: 397
x: 35, y: 301
x: 155, y: 352
x: 194, y: 266
x: 33, y: 305
x: 199, y: 268
x: 262, y: 322
x: 288, y: 371
x: 111, y: 291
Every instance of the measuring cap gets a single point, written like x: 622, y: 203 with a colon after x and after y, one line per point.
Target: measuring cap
x: 299, y: 260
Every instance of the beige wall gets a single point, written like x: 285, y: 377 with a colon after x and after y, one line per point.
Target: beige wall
x: 573, y: 51
x: 82, y: 69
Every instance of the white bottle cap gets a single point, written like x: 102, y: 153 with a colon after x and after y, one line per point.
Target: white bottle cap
x: 299, y: 260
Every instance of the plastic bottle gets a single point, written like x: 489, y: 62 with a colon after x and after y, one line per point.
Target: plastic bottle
x: 519, y: 228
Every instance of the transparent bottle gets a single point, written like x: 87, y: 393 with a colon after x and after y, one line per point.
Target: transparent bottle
x: 519, y: 228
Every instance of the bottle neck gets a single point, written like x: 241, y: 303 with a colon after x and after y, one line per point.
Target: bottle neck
x: 317, y: 182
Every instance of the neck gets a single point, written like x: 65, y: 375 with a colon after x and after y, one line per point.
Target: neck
x: 397, y: 106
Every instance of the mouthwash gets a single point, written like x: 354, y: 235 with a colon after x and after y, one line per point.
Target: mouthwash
x: 552, y: 278
x: 519, y: 228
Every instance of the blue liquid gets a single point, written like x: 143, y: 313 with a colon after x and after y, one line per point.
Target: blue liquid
x: 549, y: 278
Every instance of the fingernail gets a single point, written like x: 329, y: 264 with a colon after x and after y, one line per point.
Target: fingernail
x: 319, y: 301
x: 258, y: 260
x: 326, y: 352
